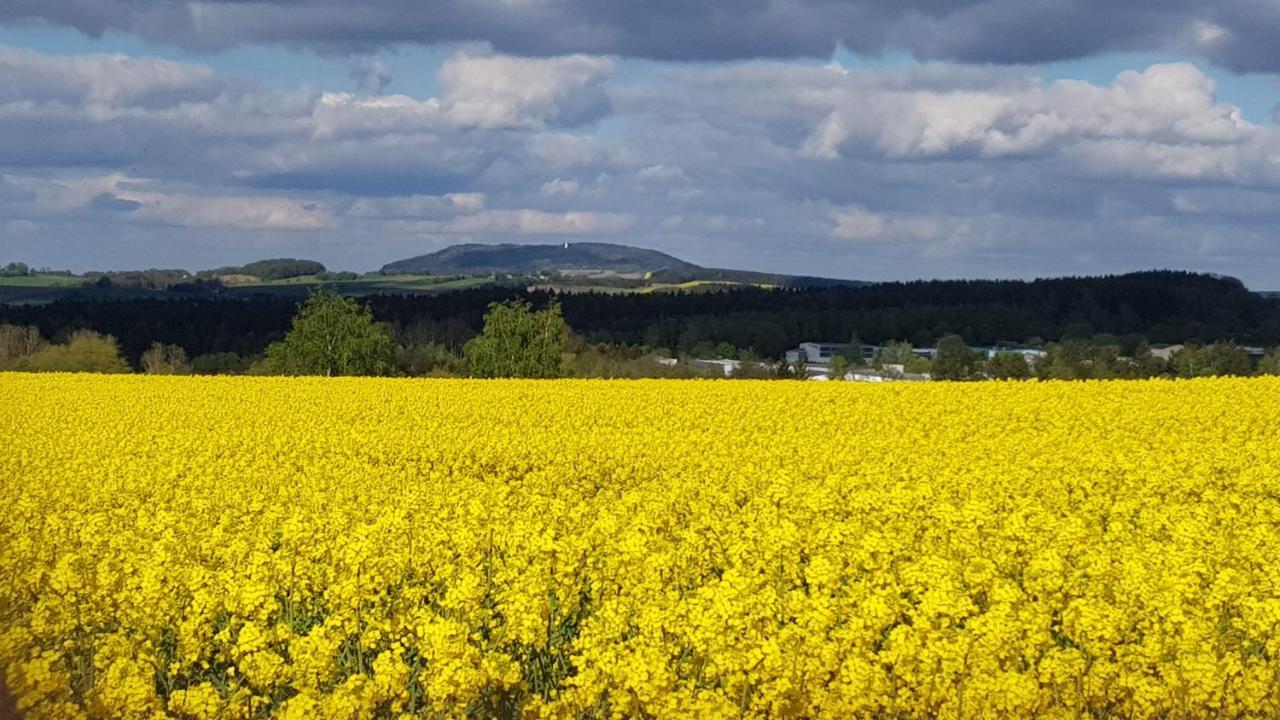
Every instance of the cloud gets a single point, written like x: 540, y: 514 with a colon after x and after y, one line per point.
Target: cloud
x: 1165, y: 120
x: 103, y: 80
x: 857, y: 223
x: 1237, y: 33
x: 107, y: 201
x: 532, y: 222
x: 242, y: 213
x: 119, y: 198
x: 371, y: 75
x: 925, y: 169
x: 505, y: 92
x: 417, y: 206
x: 559, y: 186
x: 161, y: 118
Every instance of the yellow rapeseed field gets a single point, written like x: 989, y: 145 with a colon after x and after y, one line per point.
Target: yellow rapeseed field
x: 238, y: 547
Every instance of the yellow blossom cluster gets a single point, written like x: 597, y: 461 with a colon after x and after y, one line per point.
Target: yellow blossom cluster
x: 351, y: 548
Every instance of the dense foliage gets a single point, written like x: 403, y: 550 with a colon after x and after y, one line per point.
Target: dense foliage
x: 242, y: 547
x: 271, y: 269
x: 282, y: 268
x: 519, y: 342
x: 332, y: 335
x: 149, y: 279
x: 1155, y: 307
x: 84, y: 351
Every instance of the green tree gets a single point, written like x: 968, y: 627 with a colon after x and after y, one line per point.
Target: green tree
x: 1270, y: 363
x: 427, y: 358
x: 162, y: 359
x: 519, y: 341
x: 1008, y: 366
x: 854, y: 353
x: 752, y: 370
x: 1220, y: 358
x: 839, y: 366
x: 1075, y: 359
x: 332, y: 335
x: 956, y: 360
x: 85, y: 351
x: 916, y: 364
x: 281, y: 268
x: 15, y: 269
x: 222, y: 363
x: 1146, y: 363
x: 892, y: 353
x: 1229, y: 359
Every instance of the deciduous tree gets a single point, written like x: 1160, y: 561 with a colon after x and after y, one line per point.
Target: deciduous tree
x: 332, y: 335
x: 519, y: 341
x: 955, y: 360
x: 86, y: 351
x: 162, y: 359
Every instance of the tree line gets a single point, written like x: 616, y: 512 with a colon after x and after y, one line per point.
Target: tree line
x: 1154, y: 307
x: 334, y: 335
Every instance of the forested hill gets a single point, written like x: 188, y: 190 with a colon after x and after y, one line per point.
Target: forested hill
x: 1160, y: 307
x: 478, y: 259
x: 588, y: 260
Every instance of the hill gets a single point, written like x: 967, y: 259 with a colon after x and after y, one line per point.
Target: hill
x: 585, y: 257
x: 569, y: 267
x: 270, y: 269
x: 592, y: 265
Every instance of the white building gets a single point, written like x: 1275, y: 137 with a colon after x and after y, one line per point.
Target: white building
x: 1028, y: 354
x: 816, y: 353
x: 725, y: 367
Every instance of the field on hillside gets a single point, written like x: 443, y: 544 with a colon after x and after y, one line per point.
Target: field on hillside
x: 245, y: 547
x: 48, y: 288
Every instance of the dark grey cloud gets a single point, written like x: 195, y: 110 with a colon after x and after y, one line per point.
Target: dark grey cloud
x: 1237, y: 33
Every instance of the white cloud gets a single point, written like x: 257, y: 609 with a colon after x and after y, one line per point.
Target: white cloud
x: 133, y: 200
x: 535, y: 222
x: 858, y: 223
x: 559, y: 186
x: 417, y: 206
x: 507, y: 92
x: 102, y: 80
x: 1170, y: 104
x: 466, y: 202
x: 340, y: 116
x: 246, y: 213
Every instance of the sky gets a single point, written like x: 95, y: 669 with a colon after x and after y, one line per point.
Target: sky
x: 875, y: 140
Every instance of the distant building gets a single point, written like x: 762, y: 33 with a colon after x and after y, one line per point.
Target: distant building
x: 888, y: 373
x: 1028, y: 354
x: 817, y: 353
x: 818, y: 356
x: 725, y: 367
